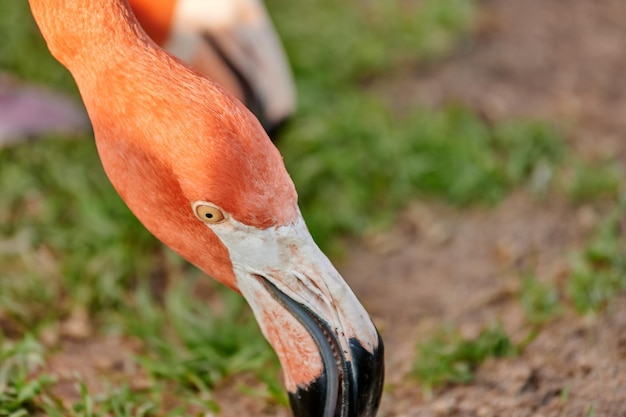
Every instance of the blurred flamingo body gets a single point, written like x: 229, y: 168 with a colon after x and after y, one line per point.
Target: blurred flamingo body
x: 195, y: 166
x: 231, y: 42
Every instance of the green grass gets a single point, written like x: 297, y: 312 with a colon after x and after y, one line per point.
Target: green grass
x: 594, y: 181
x: 337, y: 44
x: 188, y: 348
x: 541, y: 301
x: 450, y: 358
x: 116, y: 403
x: 22, y: 51
x: 367, y: 171
x: 200, y: 348
x: 599, y: 270
x: 67, y: 240
x: 18, y: 390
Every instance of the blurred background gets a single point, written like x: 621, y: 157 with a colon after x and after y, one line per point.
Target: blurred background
x: 461, y: 161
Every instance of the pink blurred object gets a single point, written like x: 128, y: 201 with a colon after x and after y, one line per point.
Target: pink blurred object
x: 27, y: 112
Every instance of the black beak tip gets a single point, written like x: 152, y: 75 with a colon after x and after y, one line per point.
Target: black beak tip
x: 365, y: 377
x: 369, y: 374
x: 350, y: 384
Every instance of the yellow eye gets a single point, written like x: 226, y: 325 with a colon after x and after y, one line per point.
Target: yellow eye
x: 208, y: 213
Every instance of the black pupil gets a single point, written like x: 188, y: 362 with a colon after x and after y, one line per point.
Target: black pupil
x: 209, y: 215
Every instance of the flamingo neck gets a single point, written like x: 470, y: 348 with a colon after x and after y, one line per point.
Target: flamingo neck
x: 85, y: 35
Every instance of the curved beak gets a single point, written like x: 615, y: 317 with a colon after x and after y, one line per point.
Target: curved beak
x: 350, y: 383
x: 330, y: 351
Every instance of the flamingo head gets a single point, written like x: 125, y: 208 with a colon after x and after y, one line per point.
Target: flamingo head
x: 201, y: 174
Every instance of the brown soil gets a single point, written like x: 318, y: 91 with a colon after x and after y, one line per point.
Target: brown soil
x: 561, y: 61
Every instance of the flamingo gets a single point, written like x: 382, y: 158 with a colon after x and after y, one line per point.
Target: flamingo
x: 197, y: 169
x: 233, y: 43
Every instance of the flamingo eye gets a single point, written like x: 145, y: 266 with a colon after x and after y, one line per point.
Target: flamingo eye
x: 208, y: 213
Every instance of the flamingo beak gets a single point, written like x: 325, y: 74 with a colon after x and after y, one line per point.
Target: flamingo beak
x: 329, y: 348
x: 350, y: 384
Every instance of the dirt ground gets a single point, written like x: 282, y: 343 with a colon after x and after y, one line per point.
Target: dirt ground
x: 561, y: 61
x: 556, y: 60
